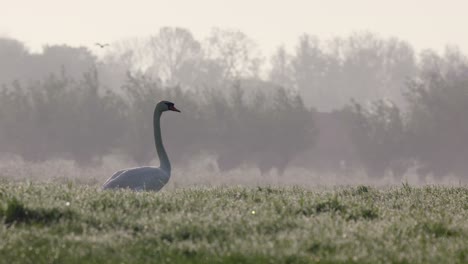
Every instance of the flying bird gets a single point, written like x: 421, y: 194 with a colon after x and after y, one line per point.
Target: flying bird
x: 147, y: 178
x: 102, y: 45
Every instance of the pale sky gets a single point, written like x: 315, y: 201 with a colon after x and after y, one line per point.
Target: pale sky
x: 423, y: 23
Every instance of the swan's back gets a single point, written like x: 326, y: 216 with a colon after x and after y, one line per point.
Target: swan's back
x: 138, y: 179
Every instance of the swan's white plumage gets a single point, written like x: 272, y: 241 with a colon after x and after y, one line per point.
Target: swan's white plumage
x: 146, y: 178
x: 141, y: 178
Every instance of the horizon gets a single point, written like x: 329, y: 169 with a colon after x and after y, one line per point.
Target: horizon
x: 424, y: 25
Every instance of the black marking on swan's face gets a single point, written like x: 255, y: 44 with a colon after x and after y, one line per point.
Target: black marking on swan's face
x: 170, y: 106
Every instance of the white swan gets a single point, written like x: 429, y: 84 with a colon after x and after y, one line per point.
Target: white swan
x: 147, y: 178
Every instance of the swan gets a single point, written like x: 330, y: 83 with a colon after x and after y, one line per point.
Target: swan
x: 147, y: 178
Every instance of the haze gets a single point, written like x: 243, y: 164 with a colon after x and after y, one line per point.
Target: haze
x: 291, y: 92
x: 425, y: 24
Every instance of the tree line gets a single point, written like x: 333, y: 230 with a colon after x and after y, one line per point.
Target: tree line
x: 345, y: 104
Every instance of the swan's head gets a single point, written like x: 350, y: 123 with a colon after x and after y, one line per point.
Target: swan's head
x: 166, y: 106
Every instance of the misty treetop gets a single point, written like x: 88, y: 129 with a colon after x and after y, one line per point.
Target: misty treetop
x: 346, y: 104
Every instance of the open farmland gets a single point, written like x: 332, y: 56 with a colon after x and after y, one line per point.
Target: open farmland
x: 69, y: 223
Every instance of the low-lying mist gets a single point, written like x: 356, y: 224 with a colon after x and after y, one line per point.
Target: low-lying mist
x: 203, y: 172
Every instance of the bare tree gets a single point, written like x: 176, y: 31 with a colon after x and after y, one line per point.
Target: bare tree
x: 235, y: 52
x: 375, y: 68
x: 281, y: 69
x: 129, y: 54
x: 174, y: 52
x: 362, y: 66
x: 313, y: 73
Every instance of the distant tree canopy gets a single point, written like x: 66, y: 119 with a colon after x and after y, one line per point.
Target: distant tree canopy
x: 58, y: 117
x: 359, y: 103
x: 329, y: 74
x: 380, y: 137
x: 17, y: 63
x: 438, y: 127
x: 81, y: 120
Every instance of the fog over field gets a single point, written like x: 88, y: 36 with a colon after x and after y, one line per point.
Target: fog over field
x: 330, y: 94
x: 222, y: 131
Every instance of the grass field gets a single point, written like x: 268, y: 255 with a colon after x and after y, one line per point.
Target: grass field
x: 68, y: 223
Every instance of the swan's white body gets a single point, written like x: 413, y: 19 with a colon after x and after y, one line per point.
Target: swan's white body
x: 138, y: 179
x: 146, y: 178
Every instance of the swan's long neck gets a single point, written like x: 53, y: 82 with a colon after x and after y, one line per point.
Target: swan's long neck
x: 163, y: 158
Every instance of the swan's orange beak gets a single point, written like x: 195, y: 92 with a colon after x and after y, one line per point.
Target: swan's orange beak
x: 172, y: 108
